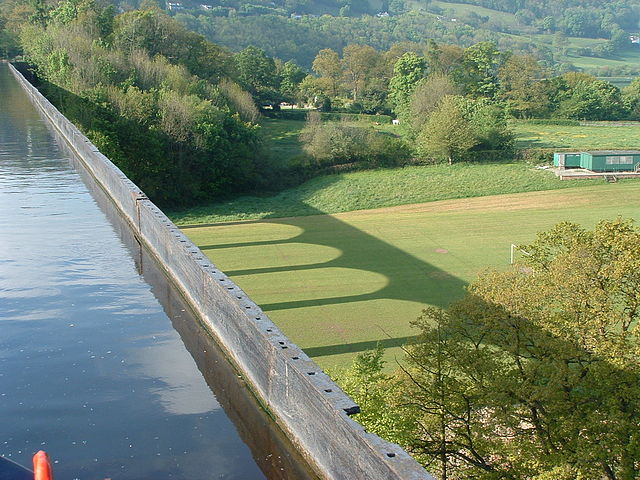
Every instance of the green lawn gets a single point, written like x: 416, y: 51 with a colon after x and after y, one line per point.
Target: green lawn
x: 415, y: 184
x: 619, y: 82
x: 593, y: 136
x: 281, y: 138
x: 336, y: 284
x: 381, y: 188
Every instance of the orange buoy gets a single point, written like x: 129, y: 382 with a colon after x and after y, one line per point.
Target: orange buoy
x: 42, y: 466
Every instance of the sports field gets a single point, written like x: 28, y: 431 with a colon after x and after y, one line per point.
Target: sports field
x: 336, y: 284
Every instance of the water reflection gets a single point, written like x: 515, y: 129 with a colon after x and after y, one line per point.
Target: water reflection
x: 182, y: 392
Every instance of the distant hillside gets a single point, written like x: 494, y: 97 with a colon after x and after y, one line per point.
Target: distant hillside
x: 564, y: 34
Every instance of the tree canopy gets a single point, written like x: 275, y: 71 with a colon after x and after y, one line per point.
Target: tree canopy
x: 146, y: 92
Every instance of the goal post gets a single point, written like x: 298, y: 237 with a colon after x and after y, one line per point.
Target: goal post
x: 514, y: 249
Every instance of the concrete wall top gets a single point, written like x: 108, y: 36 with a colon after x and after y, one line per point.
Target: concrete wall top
x: 304, y: 401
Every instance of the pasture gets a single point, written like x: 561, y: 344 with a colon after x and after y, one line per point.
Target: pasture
x: 337, y: 284
x: 588, y: 136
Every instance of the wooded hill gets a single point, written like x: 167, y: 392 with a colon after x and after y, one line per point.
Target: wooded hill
x: 560, y: 33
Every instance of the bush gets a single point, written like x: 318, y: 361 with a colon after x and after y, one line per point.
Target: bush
x: 356, y: 117
x: 488, y: 156
x: 536, y: 155
x: 389, y: 151
x: 338, y: 143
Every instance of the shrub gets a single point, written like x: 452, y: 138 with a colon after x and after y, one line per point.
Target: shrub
x: 338, y: 143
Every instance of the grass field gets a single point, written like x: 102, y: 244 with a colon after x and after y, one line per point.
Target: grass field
x: 594, y: 136
x: 382, y: 188
x: 336, y: 284
x: 281, y: 138
x: 629, y: 57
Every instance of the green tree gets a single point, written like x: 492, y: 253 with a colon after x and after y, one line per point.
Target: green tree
x: 619, y: 39
x: 444, y: 59
x: 257, y: 74
x: 521, y: 88
x: 535, y: 373
x: 327, y: 67
x: 376, y: 394
x: 560, y: 45
x: 359, y: 64
x: 408, y: 71
x: 488, y: 122
x: 592, y: 99
x: 156, y: 33
x: 291, y: 75
x: 631, y: 98
x: 447, y: 132
x: 426, y: 98
x: 480, y: 69
x: 40, y: 12
x: 177, y: 135
x: 312, y: 91
x: 8, y: 43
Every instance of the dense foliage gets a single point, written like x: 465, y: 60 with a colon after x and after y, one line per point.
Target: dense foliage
x: 145, y: 90
x: 298, y: 30
x: 342, y: 144
x: 453, y: 102
x: 534, y: 374
x: 301, y: 39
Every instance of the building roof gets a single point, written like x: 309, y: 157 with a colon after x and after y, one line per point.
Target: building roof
x: 602, y: 152
x: 614, y: 152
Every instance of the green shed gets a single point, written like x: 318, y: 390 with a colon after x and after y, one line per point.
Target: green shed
x: 567, y: 159
x: 611, y: 160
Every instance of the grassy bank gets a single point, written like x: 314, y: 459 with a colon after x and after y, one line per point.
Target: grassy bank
x: 382, y: 188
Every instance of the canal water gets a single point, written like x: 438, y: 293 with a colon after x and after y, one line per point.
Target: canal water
x: 101, y: 363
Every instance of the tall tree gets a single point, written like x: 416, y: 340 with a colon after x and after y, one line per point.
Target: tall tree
x: 257, y: 73
x: 290, y: 76
x: 480, y: 69
x: 447, y: 132
x: 327, y: 66
x: 444, y: 59
x: 426, y: 98
x: 521, y: 88
x: 408, y: 71
x: 359, y: 63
